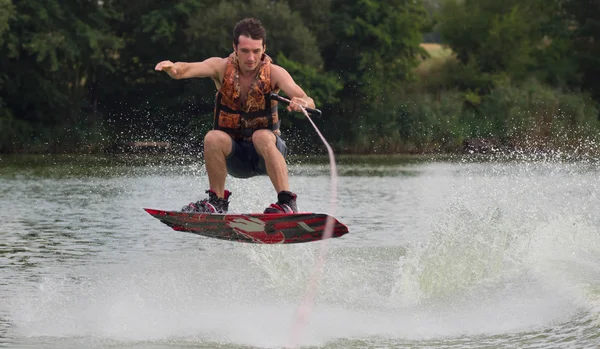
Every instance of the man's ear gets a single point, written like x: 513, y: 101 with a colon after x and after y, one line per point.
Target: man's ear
x: 234, y: 47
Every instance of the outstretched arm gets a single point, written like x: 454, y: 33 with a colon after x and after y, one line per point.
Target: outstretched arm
x: 283, y: 80
x: 208, y: 68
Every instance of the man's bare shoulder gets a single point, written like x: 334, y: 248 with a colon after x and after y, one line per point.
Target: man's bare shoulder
x: 278, y: 74
x: 277, y: 69
x: 216, y: 66
x: 218, y: 63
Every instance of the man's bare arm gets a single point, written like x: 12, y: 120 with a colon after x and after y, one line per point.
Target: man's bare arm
x: 283, y: 80
x: 208, y: 68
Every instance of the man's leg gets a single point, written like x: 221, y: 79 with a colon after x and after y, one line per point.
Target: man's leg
x: 217, y: 146
x: 265, y: 144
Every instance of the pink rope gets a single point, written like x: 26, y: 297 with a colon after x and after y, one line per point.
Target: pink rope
x: 305, y: 308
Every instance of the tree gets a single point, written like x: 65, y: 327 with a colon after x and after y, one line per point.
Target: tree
x: 6, y: 11
x: 583, y: 19
x: 514, y: 38
x: 376, y: 46
x: 54, y: 51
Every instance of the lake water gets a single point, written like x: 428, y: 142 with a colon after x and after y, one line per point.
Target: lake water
x: 440, y: 254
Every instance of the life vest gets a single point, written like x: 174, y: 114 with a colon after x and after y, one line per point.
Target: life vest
x: 259, y: 112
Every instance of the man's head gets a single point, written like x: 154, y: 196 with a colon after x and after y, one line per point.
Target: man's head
x: 249, y: 42
x: 251, y: 28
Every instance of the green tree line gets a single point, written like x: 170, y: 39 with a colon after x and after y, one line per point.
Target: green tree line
x: 77, y: 75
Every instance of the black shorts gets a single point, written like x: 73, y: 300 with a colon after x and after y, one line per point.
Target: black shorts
x: 245, y: 162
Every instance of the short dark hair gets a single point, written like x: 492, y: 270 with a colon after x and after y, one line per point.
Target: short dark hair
x: 250, y: 27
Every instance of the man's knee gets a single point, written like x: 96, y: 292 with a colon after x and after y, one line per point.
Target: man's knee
x: 262, y: 139
x: 216, y: 139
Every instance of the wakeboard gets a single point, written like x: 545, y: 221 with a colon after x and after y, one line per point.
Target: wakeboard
x: 259, y: 228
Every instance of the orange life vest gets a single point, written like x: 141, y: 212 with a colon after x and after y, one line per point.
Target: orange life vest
x: 259, y: 111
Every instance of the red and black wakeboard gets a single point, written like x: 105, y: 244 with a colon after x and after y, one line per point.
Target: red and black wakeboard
x: 283, y: 228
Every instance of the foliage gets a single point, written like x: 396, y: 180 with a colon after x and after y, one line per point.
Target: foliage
x: 497, y: 36
x: 555, y: 41
x: 583, y: 20
x: 375, y: 50
x: 51, y: 58
x: 6, y: 11
x: 79, y: 75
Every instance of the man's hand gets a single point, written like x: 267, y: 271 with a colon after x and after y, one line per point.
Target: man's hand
x: 297, y: 104
x: 168, y: 67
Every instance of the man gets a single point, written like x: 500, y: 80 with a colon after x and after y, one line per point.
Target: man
x: 246, y: 139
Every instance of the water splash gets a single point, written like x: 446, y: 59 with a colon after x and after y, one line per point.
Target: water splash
x: 508, y: 229
x: 304, y: 310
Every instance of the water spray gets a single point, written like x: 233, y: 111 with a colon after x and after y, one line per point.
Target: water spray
x: 305, y: 308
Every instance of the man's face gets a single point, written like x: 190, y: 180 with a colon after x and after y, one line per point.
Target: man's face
x: 249, y: 52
